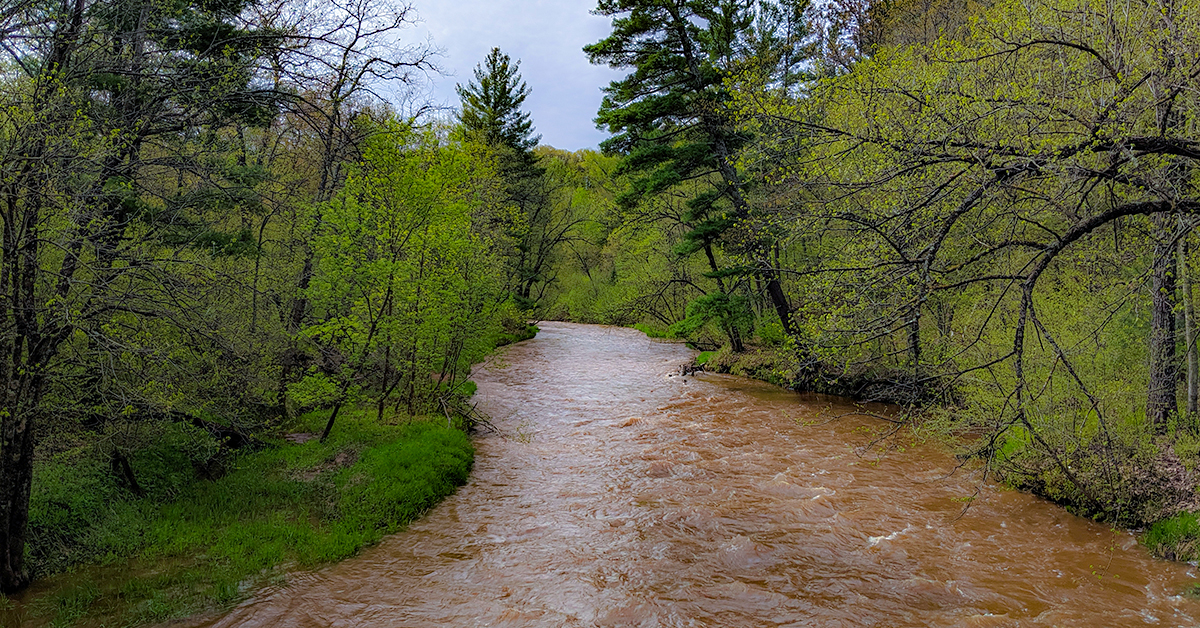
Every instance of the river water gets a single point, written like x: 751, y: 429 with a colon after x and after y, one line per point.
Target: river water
x: 621, y: 495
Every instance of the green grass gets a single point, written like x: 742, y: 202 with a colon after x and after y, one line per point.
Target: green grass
x: 197, y: 545
x: 1175, y: 538
x: 653, y: 332
x: 508, y: 338
x: 704, y: 357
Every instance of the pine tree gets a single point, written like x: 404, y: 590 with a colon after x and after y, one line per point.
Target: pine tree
x: 491, y: 104
x: 491, y: 111
x: 671, y: 119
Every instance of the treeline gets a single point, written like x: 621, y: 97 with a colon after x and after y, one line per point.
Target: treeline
x: 981, y: 211
x: 216, y: 216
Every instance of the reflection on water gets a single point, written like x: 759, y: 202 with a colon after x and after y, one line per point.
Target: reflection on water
x: 624, y: 496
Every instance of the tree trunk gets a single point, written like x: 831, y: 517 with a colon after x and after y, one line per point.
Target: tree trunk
x: 914, y: 342
x: 735, y: 338
x: 1161, y: 404
x: 16, y: 479
x: 1189, y: 326
x: 124, y: 472
x: 782, y: 308
x: 337, y: 407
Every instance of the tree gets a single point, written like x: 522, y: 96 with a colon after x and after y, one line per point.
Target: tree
x: 343, y: 53
x: 491, y: 104
x: 105, y: 95
x: 672, y: 120
x: 491, y: 113
x: 1005, y: 207
x: 407, y: 284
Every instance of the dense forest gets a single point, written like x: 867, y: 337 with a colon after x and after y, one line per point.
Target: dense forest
x: 982, y: 213
x: 222, y: 216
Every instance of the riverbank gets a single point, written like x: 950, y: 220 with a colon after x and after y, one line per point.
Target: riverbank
x: 189, y: 544
x: 1155, y: 494
x: 630, y: 496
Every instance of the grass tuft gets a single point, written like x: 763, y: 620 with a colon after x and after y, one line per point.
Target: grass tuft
x: 1175, y: 538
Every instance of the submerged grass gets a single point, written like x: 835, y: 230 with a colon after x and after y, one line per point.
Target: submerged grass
x: 209, y: 542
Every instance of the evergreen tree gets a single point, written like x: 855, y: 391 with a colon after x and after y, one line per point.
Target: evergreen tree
x: 491, y: 111
x: 491, y: 104
x: 672, y: 121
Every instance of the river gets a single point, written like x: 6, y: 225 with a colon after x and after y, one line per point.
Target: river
x: 622, y: 495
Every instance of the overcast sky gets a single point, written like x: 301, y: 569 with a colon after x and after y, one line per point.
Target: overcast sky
x: 547, y: 36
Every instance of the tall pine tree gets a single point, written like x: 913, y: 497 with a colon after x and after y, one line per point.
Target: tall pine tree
x: 671, y: 120
x: 491, y: 104
x: 491, y: 111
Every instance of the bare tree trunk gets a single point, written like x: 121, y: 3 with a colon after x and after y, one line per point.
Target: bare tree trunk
x: 1164, y: 370
x: 16, y: 471
x: 1189, y: 326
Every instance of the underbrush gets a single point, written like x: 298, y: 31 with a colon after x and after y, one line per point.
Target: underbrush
x: 189, y: 544
x: 1130, y: 484
x: 782, y: 367
x: 511, y: 335
x: 1175, y: 538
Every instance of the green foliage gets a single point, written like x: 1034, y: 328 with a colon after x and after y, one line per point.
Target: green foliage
x: 729, y: 313
x: 763, y: 364
x: 508, y: 338
x: 305, y: 504
x: 314, y: 390
x: 408, y: 283
x: 1175, y: 538
x: 80, y: 512
x: 672, y: 124
x: 653, y: 332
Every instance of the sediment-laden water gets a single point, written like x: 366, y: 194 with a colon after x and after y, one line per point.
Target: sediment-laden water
x: 621, y: 495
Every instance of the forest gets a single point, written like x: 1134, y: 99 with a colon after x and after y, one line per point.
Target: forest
x: 226, y: 221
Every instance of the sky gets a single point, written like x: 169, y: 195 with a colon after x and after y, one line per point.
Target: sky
x: 547, y: 36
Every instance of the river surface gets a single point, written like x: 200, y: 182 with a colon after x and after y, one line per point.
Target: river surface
x: 622, y: 495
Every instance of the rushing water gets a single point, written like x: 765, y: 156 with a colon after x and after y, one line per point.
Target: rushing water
x: 621, y: 495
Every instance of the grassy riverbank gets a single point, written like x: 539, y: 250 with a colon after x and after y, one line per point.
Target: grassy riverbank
x: 189, y: 544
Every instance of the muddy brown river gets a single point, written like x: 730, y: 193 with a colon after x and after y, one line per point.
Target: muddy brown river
x: 620, y: 495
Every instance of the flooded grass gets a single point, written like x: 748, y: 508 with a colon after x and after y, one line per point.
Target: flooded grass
x: 1175, y: 538
x: 295, y: 506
